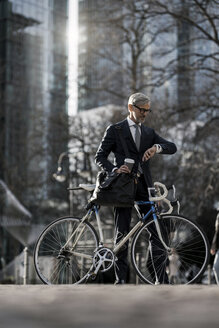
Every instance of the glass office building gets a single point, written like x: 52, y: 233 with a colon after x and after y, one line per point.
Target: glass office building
x: 33, y: 98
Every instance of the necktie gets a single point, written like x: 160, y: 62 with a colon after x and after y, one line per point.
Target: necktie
x: 137, y: 136
x: 137, y: 142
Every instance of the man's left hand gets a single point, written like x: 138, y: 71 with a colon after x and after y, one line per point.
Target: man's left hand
x: 149, y: 153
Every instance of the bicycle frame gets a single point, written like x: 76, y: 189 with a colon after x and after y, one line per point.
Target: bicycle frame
x: 138, y: 225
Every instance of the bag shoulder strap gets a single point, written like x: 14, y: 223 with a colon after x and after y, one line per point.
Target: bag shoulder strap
x: 124, y: 145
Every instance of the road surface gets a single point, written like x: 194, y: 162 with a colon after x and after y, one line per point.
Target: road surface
x: 109, y: 306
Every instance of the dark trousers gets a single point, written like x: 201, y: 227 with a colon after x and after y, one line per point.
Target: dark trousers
x: 122, y: 217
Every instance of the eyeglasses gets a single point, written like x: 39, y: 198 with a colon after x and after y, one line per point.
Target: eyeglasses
x: 143, y: 110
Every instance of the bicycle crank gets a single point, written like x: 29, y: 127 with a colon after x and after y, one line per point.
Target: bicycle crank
x: 103, y: 259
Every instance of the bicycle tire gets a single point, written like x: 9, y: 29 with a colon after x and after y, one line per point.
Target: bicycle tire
x: 189, y: 251
x: 55, y: 265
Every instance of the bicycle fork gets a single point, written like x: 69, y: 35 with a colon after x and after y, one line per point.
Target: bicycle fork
x: 168, y: 249
x: 160, y: 235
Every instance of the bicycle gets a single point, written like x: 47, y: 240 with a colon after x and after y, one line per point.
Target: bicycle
x: 70, y: 251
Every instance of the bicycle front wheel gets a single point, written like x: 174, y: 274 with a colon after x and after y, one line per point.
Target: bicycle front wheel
x: 182, y: 263
x: 64, y: 251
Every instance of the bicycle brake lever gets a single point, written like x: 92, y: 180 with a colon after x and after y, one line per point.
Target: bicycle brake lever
x: 176, y: 203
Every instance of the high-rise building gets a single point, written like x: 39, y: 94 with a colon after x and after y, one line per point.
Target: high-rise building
x: 33, y: 98
x: 185, y: 75
x: 100, y: 78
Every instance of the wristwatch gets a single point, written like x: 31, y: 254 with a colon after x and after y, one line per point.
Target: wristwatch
x: 158, y: 148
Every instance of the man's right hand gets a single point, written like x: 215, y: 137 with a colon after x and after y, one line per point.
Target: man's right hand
x: 123, y: 169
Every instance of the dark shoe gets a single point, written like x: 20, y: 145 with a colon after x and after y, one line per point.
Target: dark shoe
x: 119, y: 282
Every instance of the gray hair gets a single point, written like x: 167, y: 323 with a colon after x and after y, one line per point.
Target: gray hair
x: 138, y: 99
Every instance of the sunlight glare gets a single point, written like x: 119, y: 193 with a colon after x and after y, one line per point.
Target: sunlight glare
x: 72, y: 56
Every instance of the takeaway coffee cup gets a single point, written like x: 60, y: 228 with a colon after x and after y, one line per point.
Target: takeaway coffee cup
x: 129, y: 162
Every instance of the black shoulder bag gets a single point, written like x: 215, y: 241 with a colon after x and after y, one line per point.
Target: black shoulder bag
x: 115, y: 189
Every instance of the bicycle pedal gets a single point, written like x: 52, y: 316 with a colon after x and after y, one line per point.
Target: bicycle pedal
x: 92, y: 275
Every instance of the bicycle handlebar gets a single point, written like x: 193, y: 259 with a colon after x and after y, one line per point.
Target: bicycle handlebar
x: 157, y: 189
x: 161, y: 192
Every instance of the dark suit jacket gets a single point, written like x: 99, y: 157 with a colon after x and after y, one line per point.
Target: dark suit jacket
x: 111, y: 143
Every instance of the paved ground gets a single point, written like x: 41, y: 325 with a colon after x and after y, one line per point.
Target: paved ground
x: 108, y: 306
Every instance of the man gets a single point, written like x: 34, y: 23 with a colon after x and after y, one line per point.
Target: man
x: 143, y: 143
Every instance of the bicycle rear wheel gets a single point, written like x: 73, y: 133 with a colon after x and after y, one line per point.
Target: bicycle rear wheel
x: 186, y: 259
x: 60, y: 261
